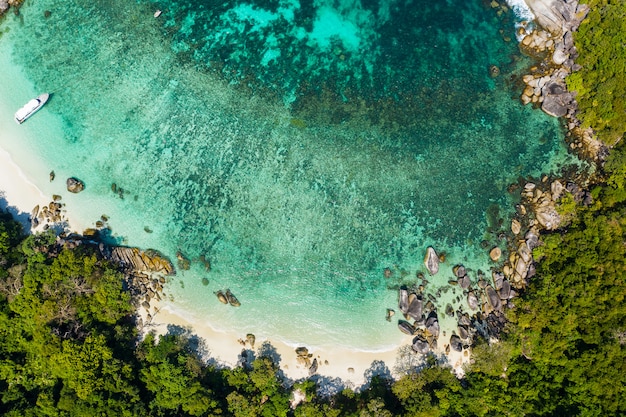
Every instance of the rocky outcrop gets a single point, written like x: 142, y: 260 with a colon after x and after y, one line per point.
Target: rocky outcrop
x: 138, y: 261
x: 554, y: 44
x: 557, y: 16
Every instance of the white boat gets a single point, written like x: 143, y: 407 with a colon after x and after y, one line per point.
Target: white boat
x: 31, y: 107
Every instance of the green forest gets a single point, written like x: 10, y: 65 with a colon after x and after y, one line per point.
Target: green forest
x: 69, y: 345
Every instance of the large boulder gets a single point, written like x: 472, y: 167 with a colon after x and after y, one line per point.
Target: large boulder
x: 74, y: 185
x: 431, y: 260
x: 472, y: 300
x: 415, y: 307
x: 455, y: 343
x: 406, y: 327
x: 556, y: 99
x: 493, y: 297
x: 420, y: 345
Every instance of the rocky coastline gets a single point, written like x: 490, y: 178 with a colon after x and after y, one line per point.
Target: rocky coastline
x: 549, y: 40
x: 145, y: 271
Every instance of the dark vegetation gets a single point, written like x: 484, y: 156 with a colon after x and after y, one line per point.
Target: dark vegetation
x: 601, y: 83
x: 68, y: 344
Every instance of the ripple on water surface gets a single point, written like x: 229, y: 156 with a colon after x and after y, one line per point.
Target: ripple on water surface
x: 301, y: 147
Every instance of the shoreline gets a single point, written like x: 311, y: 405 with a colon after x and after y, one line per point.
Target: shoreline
x: 350, y: 366
x: 23, y: 194
x: 337, y: 366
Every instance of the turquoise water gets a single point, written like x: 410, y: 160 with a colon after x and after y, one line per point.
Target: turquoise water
x: 301, y: 147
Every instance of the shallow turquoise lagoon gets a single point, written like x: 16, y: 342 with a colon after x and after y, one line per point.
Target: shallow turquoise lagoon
x: 301, y: 147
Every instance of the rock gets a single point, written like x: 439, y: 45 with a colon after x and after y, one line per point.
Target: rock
x: 505, y: 290
x: 432, y: 324
x: 431, y: 260
x: 494, y: 71
x: 556, y: 99
x: 463, y: 333
x: 459, y: 271
x: 465, y: 282
x: 532, y: 240
x: 420, y: 345
x: 403, y: 300
x: 495, y: 254
x: 449, y: 310
x: 313, y: 368
x: 390, y: 314
x: 149, y: 261
x: 4, y: 6
x: 406, y: 327
x: 251, y: 339
x: 52, y: 176
x: 556, y: 189
x: 302, y: 351
x: 455, y: 343
x: 548, y: 217
x: 552, y: 15
x: 415, y: 307
x: 516, y: 227
x: 232, y: 300
x: 559, y: 56
x: 221, y: 296
x: 74, y: 185
x: 472, y: 300
x: 493, y: 297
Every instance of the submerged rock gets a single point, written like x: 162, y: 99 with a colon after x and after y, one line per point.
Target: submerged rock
x: 459, y: 271
x: 431, y: 260
x: 495, y: 254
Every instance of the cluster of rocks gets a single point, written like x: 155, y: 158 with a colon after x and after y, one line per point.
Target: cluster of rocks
x: 227, y: 297
x: 47, y: 215
x: 482, y: 312
x: 552, y: 42
x: 303, y: 358
x: 144, y: 273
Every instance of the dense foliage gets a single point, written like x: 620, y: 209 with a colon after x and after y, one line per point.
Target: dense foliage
x: 601, y: 83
